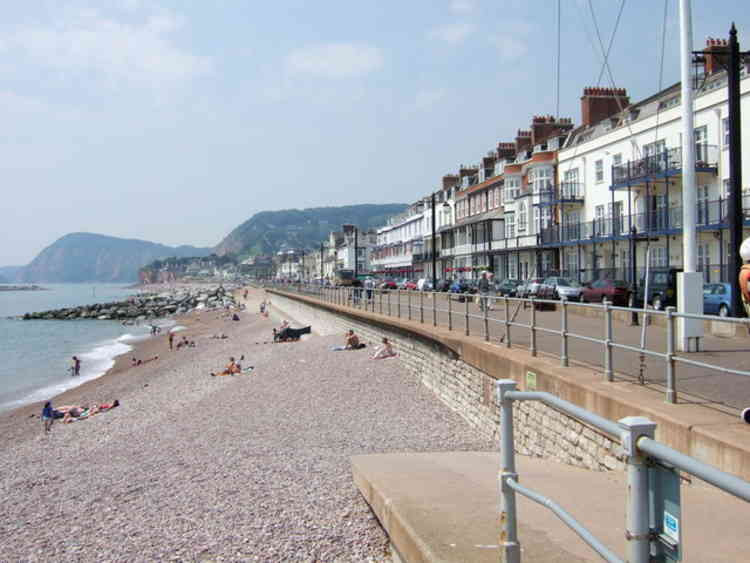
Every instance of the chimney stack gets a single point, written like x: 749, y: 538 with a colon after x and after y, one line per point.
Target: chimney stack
x: 717, y: 53
x: 523, y: 141
x: 450, y: 181
x: 597, y: 104
x: 506, y: 151
x: 545, y: 126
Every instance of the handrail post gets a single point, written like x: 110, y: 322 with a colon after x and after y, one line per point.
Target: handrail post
x: 381, y: 301
x: 507, y: 322
x: 532, y: 325
x: 434, y: 308
x: 398, y: 303
x: 564, y: 333
x: 408, y: 302
x: 510, y: 548
x: 637, y: 529
x: 421, y: 307
x: 388, y: 300
x: 608, y: 372
x: 486, y: 321
x: 450, y: 313
x: 671, y: 390
x: 466, y: 303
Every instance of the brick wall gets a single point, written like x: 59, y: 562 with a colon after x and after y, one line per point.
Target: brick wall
x: 540, y: 431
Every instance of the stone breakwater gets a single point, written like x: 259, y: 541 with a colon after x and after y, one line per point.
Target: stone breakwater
x: 142, y: 307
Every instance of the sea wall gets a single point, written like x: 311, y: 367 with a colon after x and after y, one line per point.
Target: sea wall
x: 462, y: 371
x: 467, y: 390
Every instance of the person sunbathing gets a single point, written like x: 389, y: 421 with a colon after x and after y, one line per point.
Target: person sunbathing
x: 385, y: 350
x: 231, y: 369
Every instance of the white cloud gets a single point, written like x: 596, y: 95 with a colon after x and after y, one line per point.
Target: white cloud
x: 509, y: 47
x: 110, y: 49
x: 335, y: 60
x: 451, y: 33
x: 462, y: 6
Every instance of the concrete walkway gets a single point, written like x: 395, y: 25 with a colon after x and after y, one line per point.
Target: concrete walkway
x: 445, y: 507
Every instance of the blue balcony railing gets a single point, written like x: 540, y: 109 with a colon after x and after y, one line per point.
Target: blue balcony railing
x: 566, y: 192
x: 665, y: 163
x: 709, y: 214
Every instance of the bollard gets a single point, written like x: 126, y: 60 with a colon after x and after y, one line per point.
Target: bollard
x: 450, y: 313
x: 532, y: 326
x: 637, y: 529
x: 564, y: 333
x: 510, y: 549
x: 466, y: 303
x: 608, y: 373
x: 421, y: 307
x: 486, y: 322
x: 671, y: 391
x: 507, y: 322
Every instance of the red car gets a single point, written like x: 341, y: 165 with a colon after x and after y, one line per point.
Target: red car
x: 411, y: 284
x: 388, y: 284
x: 614, y: 291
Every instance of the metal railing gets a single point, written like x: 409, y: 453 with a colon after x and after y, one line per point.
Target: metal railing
x: 418, y: 304
x: 636, y: 436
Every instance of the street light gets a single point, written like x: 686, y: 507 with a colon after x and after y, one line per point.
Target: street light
x: 434, y: 250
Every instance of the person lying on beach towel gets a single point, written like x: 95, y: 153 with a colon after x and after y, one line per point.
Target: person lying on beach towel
x: 134, y: 362
x: 385, y: 350
x: 231, y: 369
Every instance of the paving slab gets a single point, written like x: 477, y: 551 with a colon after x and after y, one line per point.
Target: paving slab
x: 445, y: 507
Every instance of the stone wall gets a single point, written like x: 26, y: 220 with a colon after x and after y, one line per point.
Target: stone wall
x: 540, y: 430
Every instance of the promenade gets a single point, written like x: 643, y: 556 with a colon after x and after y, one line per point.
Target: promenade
x: 726, y: 392
x: 198, y: 468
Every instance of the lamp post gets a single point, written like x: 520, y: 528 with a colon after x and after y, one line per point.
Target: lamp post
x: 434, y: 240
x: 321, y: 262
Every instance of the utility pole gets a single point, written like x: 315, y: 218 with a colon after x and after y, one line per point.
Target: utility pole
x: 321, y: 262
x: 734, y: 203
x: 434, y: 246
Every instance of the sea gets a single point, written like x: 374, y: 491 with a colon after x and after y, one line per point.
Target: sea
x: 35, y: 356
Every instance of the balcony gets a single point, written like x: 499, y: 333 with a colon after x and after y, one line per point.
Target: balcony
x: 710, y: 215
x: 661, y: 165
x: 562, y: 194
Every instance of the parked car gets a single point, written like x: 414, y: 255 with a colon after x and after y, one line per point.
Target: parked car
x: 410, y: 284
x: 717, y: 299
x: 662, y: 289
x: 424, y: 284
x: 444, y: 285
x: 507, y: 287
x: 388, y: 284
x: 462, y: 288
x: 616, y: 292
x: 560, y: 288
x: 529, y: 288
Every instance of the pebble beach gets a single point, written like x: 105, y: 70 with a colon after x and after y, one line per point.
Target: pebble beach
x: 253, y: 467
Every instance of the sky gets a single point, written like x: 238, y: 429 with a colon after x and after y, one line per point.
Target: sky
x: 175, y: 121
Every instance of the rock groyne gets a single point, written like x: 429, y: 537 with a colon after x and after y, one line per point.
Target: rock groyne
x: 142, y: 307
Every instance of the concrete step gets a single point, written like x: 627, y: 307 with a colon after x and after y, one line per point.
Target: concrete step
x: 445, y: 507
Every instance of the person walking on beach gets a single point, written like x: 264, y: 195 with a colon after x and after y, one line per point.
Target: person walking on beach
x: 171, y: 340
x: 75, y: 367
x: 47, y: 416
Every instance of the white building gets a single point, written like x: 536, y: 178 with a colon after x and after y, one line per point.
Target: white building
x: 398, y: 242
x: 628, y: 163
